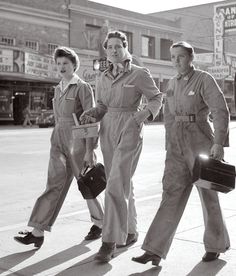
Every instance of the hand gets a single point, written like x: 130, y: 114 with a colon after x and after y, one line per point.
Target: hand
x: 85, y: 118
x: 217, y: 152
x: 141, y: 116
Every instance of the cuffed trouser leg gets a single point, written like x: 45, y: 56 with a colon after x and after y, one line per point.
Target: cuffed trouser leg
x: 216, y: 237
x: 176, y: 190
x: 48, y: 205
x: 96, y: 209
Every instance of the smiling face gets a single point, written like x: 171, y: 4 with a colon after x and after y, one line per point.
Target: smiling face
x: 115, y: 50
x: 65, y: 67
x: 181, y: 59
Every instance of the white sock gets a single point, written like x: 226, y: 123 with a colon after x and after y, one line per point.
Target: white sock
x: 37, y: 232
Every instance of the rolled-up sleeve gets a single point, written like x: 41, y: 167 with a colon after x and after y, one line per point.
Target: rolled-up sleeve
x: 149, y: 89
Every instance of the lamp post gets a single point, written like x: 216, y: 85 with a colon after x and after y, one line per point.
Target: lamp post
x: 96, y: 67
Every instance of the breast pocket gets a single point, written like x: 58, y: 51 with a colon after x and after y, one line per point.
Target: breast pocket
x: 128, y: 94
x: 69, y: 106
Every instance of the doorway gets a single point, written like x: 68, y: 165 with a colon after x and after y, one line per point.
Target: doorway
x: 20, y: 101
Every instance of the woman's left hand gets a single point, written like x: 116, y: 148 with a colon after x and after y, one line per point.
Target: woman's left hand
x: 217, y: 152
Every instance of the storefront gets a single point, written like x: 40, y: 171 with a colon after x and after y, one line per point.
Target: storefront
x: 25, y: 79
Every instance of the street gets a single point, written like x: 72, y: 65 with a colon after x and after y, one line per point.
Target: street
x: 24, y: 155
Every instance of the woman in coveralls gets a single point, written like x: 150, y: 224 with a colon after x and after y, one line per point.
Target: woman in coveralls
x: 120, y: 90
x: 67, y: 155
x: 190, y: 96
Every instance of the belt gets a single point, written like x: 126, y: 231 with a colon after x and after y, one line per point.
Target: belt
x: 191, y: 118
x: 121, y: 109
x: 65, y: 119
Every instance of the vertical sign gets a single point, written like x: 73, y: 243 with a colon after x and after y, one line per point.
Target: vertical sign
x: 218, y: 36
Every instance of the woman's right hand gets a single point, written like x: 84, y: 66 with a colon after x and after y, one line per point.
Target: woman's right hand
x: 85, y: 118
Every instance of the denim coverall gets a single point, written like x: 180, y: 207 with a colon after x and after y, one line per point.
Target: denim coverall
x: 195, y: 94
x: 66, y: 156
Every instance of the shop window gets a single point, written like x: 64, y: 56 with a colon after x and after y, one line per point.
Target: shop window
x: 37, y: 101
x: 32, y: 44
x: 7, y: 41
x: 91, y: 35
x: 130, y: 40
x: 148, y: 46
x: 51, y: 48
x: 165, y: 49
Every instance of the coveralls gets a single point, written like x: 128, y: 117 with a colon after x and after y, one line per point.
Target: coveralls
x: 66, y: 156
x: 121, y: 143
x: 188, y: 133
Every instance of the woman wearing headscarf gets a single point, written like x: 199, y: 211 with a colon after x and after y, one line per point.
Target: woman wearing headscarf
x: 119, y: 93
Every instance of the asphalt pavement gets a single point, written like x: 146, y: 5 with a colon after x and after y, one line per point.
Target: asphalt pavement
x: 66, y: 253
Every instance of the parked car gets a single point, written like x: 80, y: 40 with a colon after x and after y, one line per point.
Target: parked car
x: 46, y: 118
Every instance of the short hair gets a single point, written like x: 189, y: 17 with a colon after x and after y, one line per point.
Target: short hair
x: 116, y: 34
x: 63, y: 51
x: 189, y: 48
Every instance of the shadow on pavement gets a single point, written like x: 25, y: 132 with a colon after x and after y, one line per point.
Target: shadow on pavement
x: 12, y: 260
x: 207, y: 269
x: 154, y: 271
x: 49, y: 262
x: 90, y: 267
x: 87, y: 267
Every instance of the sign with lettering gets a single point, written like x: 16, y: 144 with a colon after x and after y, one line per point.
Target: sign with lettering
x: 6, y: 60
x: 229, y: 13
x: 40, y: 66
x: 218, y: 36
x: 219, y: 72
x: 204, y: 58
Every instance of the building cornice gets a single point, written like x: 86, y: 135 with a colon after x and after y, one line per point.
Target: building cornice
x: 121, y: 18
x: 32, y: 15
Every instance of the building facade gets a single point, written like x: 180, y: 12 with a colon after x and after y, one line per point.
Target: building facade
x: 211, y: 29
x: 32, y: 29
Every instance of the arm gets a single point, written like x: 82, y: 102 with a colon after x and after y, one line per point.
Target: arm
x: 149, y: 89
x: 87, y: 102
x: 94, y: 114
x: 215, y: 100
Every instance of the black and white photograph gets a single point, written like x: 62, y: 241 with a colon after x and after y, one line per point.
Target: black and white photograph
x: 117, y: 138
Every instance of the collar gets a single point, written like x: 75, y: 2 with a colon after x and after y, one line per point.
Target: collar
x: 187, y: 75
x: 126, y: 68
x: 73, y: 80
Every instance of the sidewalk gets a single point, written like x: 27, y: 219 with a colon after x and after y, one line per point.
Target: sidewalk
x: 65, y: 252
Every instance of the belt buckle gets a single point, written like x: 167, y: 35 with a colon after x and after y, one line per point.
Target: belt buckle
x: 192, y: 118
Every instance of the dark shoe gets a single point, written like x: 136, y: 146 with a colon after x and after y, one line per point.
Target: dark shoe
x: 106, y: 252
x: 146, y: 257
x: 29, y: 238
x: 131, y: 238
x: 210, y: 256
x: 94, y: 233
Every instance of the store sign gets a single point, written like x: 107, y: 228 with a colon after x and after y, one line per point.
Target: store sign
x: 40, y: 66
x: 229, y: 12
x: 6, y: 60
x: 218, y: 36
x: 204, y: 58
x: 219, y: 72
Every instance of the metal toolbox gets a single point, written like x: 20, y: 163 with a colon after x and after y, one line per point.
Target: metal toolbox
x: 213, y: 174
